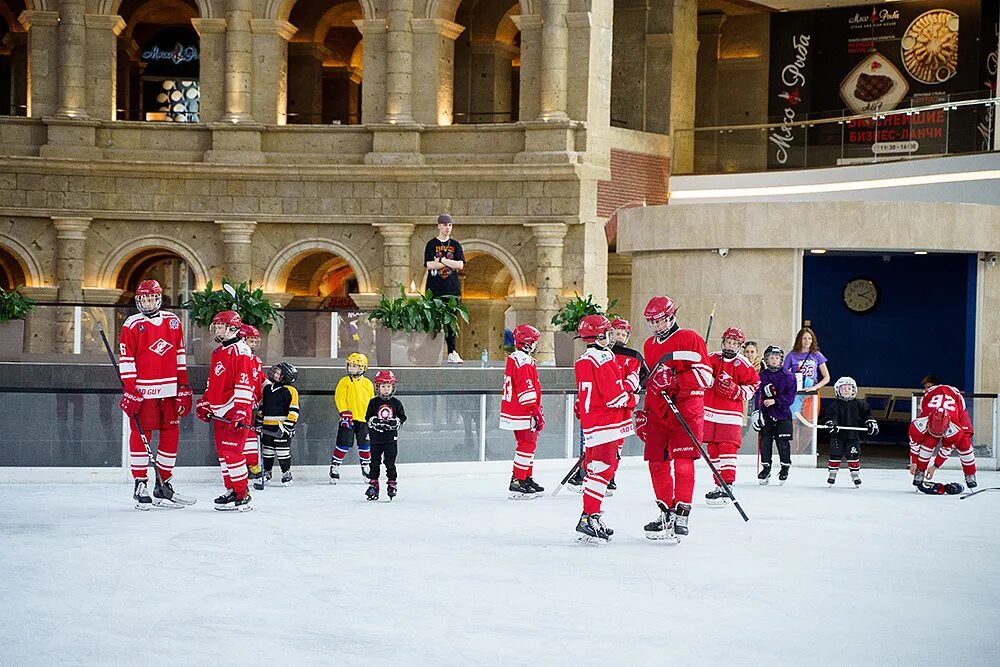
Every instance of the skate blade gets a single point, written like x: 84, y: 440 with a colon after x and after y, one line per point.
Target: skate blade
x: 592, y: 541
x: 781, y: 482
x: 143, y: 507
x: 609, y: 493
x: 258, y: 487
x: 178, y: 501
x: 763, y: 482
x: 163, y: 504
x: 716, y: 503
x: 232, y: 508
x: 285, y: 483
x: 514, y: 495
x: 668, y: 539
x: 575, y: 489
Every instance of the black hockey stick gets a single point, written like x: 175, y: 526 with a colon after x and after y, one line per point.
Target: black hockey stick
x: 212, y: 417
x: 704, y: 455
x: 974, y: 493
x: 135, y: 417
x: 572, y: 471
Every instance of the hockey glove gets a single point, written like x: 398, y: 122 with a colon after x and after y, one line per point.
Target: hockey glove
x: 346, y: 419
x: 238, y: 418
x: 130, y: 403
x: 728, y: 389
x: 537, y: 418
x: 286, y: 430
x: 202, y: 411
x: 830, y: 426
x: 576, y: 409
x: 641, y: 417
x: 375, y: 424
x: 663, y: 381
x: 769, y: 390
x: 184, y: 397
x: 757, y: 420
x: 872, y: 426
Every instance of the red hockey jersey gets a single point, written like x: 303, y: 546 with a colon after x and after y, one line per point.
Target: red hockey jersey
x: 151, y: 357
x: 947, y: 397
x: 257, y: 378
x: 689, y: 360
x: 721, y: 409
x: 605, y: 404
x: 633, y: 366
x: 230, y: 379
x: 521, y: 392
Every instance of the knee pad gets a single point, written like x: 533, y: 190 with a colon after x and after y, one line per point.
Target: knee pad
x: 597, y: 467
x: 283, y: 452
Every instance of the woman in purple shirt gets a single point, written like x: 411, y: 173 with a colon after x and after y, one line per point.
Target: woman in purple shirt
x: 807, y: 364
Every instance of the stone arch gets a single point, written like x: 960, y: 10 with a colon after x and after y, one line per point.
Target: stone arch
x: 109, y: 7
x: 446, y: 9
x: 506, y: 258
x: 277, y: 271
x: 107, y: 274
x: 282, y: 9
x: 28, y: 263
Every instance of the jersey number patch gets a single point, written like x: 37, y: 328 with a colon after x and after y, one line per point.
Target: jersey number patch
x: 942, y: 401
x: 585, y: 390
x: 508, y: 389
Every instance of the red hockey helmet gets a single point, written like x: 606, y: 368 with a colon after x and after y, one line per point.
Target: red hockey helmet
x: 251, y: 335
x: 938, y: 422
x: 385, y: 377
x: 148, y: 297
x: 526, y: 337
x: 735, y: 333
x: 593, y: 327
x: 225, y: 325
x: 732, y: 342
x: 661, y: 315
x: 622, y: 329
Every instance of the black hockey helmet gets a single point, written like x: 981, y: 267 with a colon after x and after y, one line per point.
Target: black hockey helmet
x: 773, y: 349
x: 289, y: 373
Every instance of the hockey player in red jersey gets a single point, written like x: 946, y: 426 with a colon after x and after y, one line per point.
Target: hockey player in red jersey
x: 604, y: 407
x: 153, y: 369
x: 521, y: 409
x: 943, y: 419
x: 735, y: 382
x: 251, y: 450
x: 229, y: 395
x: 683, y: 373
x: 633, y: 367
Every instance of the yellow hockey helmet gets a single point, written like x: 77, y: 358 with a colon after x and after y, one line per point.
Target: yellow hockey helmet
x: 358, y: 360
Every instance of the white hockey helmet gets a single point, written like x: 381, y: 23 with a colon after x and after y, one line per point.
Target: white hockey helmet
x: 845, y: 388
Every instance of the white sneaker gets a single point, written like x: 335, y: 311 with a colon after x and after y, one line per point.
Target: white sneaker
x: 453, y: 358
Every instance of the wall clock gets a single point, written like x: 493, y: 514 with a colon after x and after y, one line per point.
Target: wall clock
x: 861, y: 295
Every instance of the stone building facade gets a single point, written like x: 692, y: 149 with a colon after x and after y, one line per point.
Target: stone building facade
x: 319, y: 141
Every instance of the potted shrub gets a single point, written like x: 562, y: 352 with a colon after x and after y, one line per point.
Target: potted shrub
x: 14, y: 307
x: 409, y: 328
x: 566, y: 321
x: 250, y: 303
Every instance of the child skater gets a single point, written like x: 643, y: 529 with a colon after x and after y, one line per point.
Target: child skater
x: 280, y: 416
x: 353, y: 393
x: 847, y: 410
x: 251, y: 336
x: 521, y: 409
x: 384, y: 416
x: 772, y: 416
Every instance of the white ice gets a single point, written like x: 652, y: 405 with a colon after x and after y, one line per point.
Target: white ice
x: 454, y: 573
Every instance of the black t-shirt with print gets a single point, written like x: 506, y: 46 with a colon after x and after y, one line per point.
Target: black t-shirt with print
x: 443, y: 281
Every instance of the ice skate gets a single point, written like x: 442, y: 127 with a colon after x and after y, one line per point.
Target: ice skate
x: 243, y: 503
x: 225, y: 499
x: 520, y: 489
x: 237, y: 504
x: 764, y: 476
x: 662, y: 527
x: 366, y: 470
x: 575, y: 483
x: 390, y: 489
x: 258, y: 480
x: 970, y: 481
x: 372, y: 492
x: 165, y: 496
x: 141, y: 495
x: 591, y: 530
x: 534, y: 486
x: 681, y: 514
x: 832, y: 478
x: 286, y: 478
x: 856, y: 478
x: 918, y: 479
x: 783, y: 473
x: 334, y: 473
x: 717, y: 497
x: 612, y: 487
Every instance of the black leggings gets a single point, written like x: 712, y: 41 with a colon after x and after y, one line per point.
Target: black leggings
x: 388, y: 450
x: 780, y: 433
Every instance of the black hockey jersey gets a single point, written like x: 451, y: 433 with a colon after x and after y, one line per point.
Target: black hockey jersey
x: 854, y: 412
x: 280, y: 405
x: 384, y: 417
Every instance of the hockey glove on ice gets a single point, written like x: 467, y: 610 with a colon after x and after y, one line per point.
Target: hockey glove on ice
x: 184, y: 397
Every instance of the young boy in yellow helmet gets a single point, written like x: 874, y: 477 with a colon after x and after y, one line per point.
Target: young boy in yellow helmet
x: 353, y: 393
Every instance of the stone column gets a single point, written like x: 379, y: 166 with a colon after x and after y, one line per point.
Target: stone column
x: 434, y: 63
x: 305, y: 87
x: 396, y: 238
x: 236, y: 237
x: 270, y: 69
x: 102, y: 69
x: 707, y: 96
x: 212, y: 67
x: 72, y: 60
x: 549, y: 239
x: 239, y: 62
x: 43, y: 60
x: 555, y: 48
x: 71, y: 241
x: 683, y: 84
x: 529, y: 104
x: 589, y: 82
x: 399, y: 63
x: 373, y: 65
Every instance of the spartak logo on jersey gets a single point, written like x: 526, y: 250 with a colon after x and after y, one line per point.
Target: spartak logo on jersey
x: 160, y: 347
x: 220, y: 368
x: 385, y: 411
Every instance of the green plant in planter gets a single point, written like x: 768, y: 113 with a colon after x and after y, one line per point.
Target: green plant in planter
x: 425, y: 313
x: 14, y: 305
x: 576, y: 309
x: 250, y: 303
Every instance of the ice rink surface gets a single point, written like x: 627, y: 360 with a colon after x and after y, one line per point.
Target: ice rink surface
x: 454, y: 573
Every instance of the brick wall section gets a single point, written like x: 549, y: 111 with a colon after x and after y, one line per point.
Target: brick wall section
x: 635, y: 177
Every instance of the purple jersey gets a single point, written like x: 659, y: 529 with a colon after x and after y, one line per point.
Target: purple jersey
x: 784, y: 393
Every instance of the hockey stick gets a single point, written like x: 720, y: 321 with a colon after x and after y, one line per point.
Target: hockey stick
x: 973, y: 493
x: 212, y: 417
x: 704, y: 455
x: 711, y: 318
x: 135, y: 417
x: 572, y: 471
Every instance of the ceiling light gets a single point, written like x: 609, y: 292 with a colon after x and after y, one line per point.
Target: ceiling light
x: 919, y: 252
x: 818, y: 251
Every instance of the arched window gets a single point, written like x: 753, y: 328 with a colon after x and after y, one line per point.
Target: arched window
x: 13, y: 60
